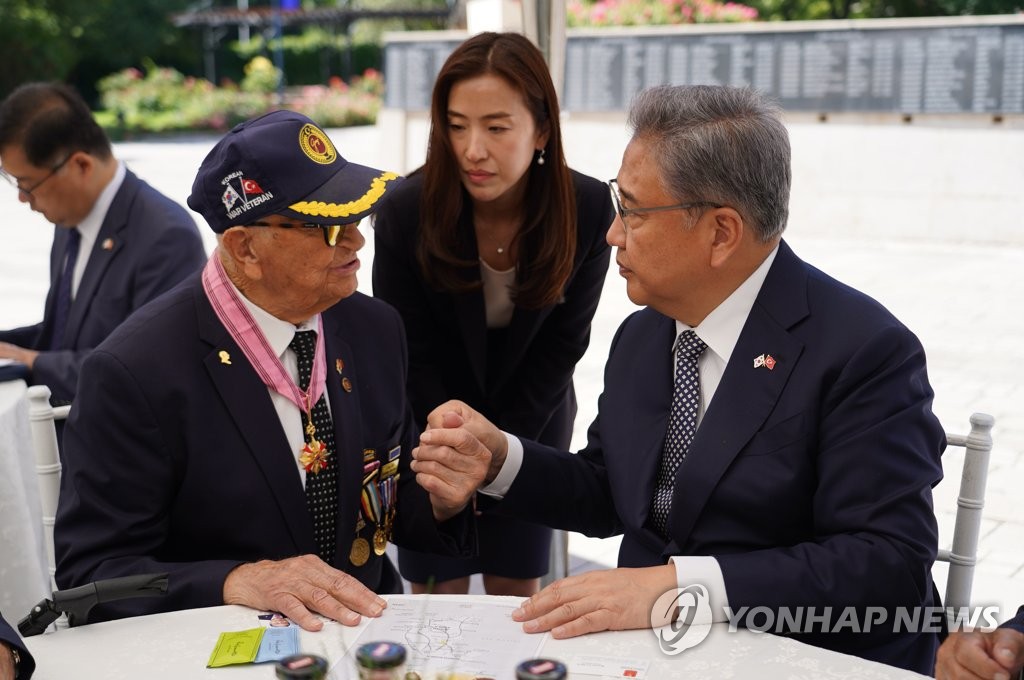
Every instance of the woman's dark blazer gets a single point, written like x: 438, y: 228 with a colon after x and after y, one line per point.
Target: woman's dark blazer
x: 531, y: 393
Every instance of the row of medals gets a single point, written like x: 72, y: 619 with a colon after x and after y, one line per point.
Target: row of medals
x: 378, y: 505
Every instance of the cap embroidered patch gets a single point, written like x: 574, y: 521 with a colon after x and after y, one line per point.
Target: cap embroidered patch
x: 316, y: 145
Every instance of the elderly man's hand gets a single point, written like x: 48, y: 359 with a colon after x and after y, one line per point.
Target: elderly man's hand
x: 450, y: 464
x: 300, y: 586
x: 612, y: 599
x: 25, y: 356
x: 992, y: 655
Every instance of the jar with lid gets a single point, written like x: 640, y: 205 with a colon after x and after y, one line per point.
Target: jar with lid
x: 381, y: 661
x: 301, y: 667
x: 541, y: 669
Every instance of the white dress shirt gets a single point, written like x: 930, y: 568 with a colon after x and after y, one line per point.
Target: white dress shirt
x: 279, y: 335
x: 720, y: 330
x: 89, y: 228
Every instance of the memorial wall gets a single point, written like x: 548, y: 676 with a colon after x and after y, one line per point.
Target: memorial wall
x: 965, y: 65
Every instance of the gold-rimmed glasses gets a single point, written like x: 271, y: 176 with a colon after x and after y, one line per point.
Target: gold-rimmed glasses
x: 332, y: 232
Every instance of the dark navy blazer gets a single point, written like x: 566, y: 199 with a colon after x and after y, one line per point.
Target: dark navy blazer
x: 810, y: 483
x: 176, y: 461
x: 146, y: 245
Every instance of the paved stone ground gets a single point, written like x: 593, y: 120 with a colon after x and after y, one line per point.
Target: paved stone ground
x: 958, y: 296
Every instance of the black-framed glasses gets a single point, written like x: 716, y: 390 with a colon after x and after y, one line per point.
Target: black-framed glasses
x: 332, y: 232
x: 28, y: 190
x: 623, y: 213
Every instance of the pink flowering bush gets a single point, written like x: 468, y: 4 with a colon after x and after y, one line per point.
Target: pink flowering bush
x: 654, y: 12
x: 164, y: 100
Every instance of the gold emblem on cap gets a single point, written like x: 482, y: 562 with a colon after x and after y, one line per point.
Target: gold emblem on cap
x: 316, y: 145
x: 360, y: 552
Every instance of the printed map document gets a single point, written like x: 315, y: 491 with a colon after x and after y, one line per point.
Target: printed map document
x: 450, y: 635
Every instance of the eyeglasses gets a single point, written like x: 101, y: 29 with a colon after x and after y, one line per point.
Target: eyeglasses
x: 28, y: 190
x: 332, y: 232
x: 623, y: 213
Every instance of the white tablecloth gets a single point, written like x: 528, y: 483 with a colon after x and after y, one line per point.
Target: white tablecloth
x: 177, y: 645
x: 23, y: 572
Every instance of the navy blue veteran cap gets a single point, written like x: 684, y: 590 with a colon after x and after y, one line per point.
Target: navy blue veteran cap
x: 283, y: 164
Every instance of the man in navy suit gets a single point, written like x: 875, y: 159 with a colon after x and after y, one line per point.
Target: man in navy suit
x: 993, y: 655
x: 118, y: 243
x: 15, y: 661
x: 248, y: 433
x: 790, y: 466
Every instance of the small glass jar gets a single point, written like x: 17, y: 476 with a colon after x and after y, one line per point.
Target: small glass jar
x: 302, y: 667
x: 381, y: 661
x: 541, y: 669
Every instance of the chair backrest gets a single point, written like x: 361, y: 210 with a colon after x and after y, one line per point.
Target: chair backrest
x: 963, y: 555
x: 44, y: 444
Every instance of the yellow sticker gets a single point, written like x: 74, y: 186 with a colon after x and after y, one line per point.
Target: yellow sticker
x: 235, y: 648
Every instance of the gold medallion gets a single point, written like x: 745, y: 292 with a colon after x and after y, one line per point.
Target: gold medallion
x: 380, y: 541
x: 360, y: 552
x: 313, y: 456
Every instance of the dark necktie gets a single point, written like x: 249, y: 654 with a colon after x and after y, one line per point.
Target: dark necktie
x: 322, y: 486
x: 682, y: 424
x: 62, y: 306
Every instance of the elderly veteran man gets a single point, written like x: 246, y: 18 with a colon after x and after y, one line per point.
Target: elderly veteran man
x: 248, y: 433
x: 765, y: 432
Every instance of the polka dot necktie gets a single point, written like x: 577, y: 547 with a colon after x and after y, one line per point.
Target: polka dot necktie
x: 682, y: 424
x: 322, y: 487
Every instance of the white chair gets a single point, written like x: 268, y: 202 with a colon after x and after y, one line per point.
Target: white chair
x: 44, y: 444
x: 963, y: 555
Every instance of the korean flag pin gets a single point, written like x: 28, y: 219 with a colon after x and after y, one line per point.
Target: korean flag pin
x: 225, y: 358
x: 759, y: 361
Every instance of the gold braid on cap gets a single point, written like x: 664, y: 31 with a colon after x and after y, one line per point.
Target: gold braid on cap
x: 361, y: 204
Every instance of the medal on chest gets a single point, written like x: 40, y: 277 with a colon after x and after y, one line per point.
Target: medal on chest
x: 313, y: 454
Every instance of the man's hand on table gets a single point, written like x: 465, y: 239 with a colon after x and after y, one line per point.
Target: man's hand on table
x: 612, y: 599
x: 993, y: 655
x: 20, y: 354
x: 299, y: 588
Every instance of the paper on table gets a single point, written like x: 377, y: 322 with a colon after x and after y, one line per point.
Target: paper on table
x: 450, y: 635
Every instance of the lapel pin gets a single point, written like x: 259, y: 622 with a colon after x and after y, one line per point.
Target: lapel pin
x: 346, y: 384
x: 766, y: 360
x: 759, y: 361
x: 108, y: 244
x: 769, y: 362
x: 339, y: 365
x: 225, y: 358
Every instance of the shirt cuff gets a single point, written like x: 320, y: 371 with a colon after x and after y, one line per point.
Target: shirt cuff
x: 509, y: 469
x: 705, y: 571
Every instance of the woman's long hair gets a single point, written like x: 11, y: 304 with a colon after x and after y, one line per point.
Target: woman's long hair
x: 546, y: 240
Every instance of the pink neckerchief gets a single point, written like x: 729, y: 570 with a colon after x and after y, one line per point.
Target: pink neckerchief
x: 243, y: 328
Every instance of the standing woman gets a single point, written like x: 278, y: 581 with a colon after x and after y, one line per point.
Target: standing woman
x: 494, y: 254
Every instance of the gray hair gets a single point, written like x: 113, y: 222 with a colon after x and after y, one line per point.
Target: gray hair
x: 719, y: 144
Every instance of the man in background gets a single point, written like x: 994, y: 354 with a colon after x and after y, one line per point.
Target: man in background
x: 118, y: 243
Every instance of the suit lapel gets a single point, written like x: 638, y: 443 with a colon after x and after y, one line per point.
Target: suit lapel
x: 109, y: 242
x: 345, y: 411
x: 246, y: 399
x: 746, y: 395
